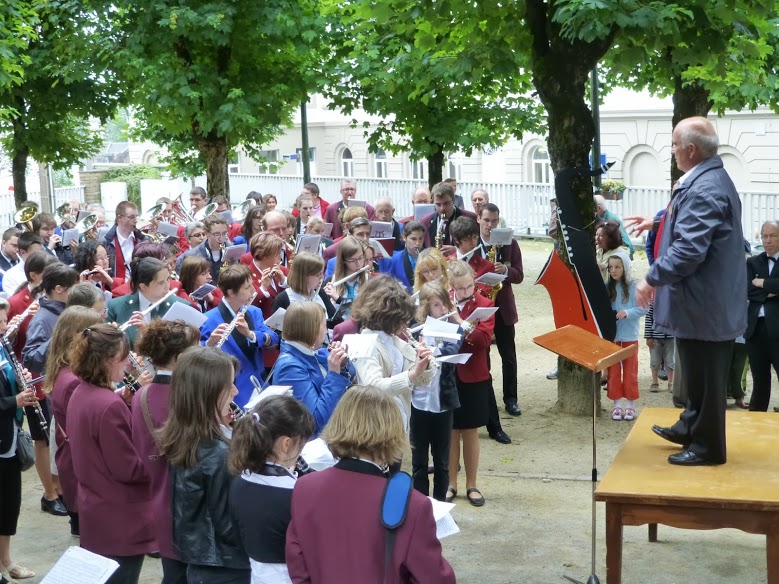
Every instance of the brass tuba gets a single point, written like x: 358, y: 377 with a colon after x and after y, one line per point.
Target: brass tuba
x: 24, y: 217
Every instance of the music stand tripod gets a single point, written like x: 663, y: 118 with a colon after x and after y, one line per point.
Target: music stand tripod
x: 595, y: 354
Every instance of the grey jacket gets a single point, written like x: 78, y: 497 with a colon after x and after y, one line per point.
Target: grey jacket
x: 699, y: 273
x: 39, y: 335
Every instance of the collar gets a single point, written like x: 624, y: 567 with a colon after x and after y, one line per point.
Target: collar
x: 9, y: 260
x: 467, y: 257
x: 301, y: 347
x: 362, y: 466
x: 121, y: 239
x: 143, y: 302
x: 227, y: 306
x: 687, y: 174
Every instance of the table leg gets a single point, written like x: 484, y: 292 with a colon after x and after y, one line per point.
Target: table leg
x: 772, y: 555
x: 614, y: 543
x: 653, y: 532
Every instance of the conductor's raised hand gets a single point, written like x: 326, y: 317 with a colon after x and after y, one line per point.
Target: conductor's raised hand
x: 637, y: 224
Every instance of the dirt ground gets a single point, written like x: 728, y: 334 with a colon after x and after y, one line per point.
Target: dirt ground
x: 535, y: 526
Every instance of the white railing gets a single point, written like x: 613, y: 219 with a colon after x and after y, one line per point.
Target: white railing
x: 61, y: 195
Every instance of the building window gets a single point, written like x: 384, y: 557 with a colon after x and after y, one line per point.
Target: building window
x: 541, y: 166
x: 453, y: 169
x: 418, y: 169
x: 381, y: 164
x: 269, y: 161
x: 233, y: 165
x: 347, y: 162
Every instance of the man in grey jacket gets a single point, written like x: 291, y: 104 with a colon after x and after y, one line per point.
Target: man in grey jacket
x: 699, y: 287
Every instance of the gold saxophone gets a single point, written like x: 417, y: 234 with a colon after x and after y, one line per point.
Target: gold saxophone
x: 223, y: 248
x: 439, y: 236
x: 492, y: 255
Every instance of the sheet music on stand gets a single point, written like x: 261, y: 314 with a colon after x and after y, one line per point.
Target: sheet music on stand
x: 82, y: 566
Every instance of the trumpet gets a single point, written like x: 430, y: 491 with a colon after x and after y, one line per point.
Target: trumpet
x: 439, y: 236
x: 179, y: 211
x: 24, y: 385
x: 240, y: 211
x: 204, y: 212
x: 127, y: 325
x: 86, y: 227
x: 63, y: 214
x: 234, y: 322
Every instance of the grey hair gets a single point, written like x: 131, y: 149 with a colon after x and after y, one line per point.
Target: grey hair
x: 599, y: 200
x: 192, y: 226
x: 348, y: 181
x: 480, y: 190
x: 699, y: 131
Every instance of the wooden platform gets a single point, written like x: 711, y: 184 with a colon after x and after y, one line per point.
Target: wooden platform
x: 641, y: 487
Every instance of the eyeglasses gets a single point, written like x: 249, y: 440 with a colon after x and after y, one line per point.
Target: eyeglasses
x: 199, y: 234
x: 355, y: 260
x: 464, y: 289
x: 130, y: 216
x: 218, y: 235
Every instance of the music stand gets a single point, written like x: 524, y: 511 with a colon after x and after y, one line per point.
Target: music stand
x: 595, y: 354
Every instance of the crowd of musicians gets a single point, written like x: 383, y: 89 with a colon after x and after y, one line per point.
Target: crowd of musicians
x: 139, y: 424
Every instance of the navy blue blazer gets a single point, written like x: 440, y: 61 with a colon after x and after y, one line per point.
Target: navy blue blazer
x: 400, y: 267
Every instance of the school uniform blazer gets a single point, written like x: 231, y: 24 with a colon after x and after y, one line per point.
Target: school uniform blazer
x: 110, y: 242
x: 376, y: 370
x: 331, y: 216
x: 430, y: 223
x: 347, y: 327
x: 20, y: 302
x: 400, y: 268
x: 158, y: 393
x: 203, y: 251
x: 249, y: 355
x: 477, y: 343
x: 263, y: 302
x: 512, y: 257
x: 319, y: 393
x: 342, y: 540
x: 65, y: 383
x: 121, y: 309
x: 114, y: 498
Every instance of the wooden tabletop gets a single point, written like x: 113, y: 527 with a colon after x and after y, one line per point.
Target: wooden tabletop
x: 641, y: 473
x: 584, y: 348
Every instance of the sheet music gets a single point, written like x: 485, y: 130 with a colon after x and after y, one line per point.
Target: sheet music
x: 234, y: 252
x: 481, y: 313
x: 309, y: 243
x: 360, y: 345
x: 68, y: 236
x: 491, y: 278
x: 168, y: 229
x: 228, y: 215
x: 269, y: 391
x: 276, y: 320
x: 444, y: 522
x: 381, y: 230
x: 356, y: 203
x: 82, y: 566
x: 423, y: 209
x: 328, y: 230
x: 317, y: 455
x: 457, y: 358
x: 501, y: 236
x: 183, y: 311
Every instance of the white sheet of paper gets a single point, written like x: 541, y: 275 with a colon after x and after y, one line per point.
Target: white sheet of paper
x: 434, y: 338
x: 442, y: 513
x: 458, y: 358
x: 434, y: 325
x: 378, y: 249
x: 482, y: 313
x: 423, y: 209
x: 359, y: 346
x: 101, y: 233
x: 501, y: 236
x: 82, y: 566
x: 309, y: 243
x: 168, y: 229
x: 68, y: 236
x: 317, y: 455
x: 357, y: 203
x: 276, y: 320
x: 328, y: 230
x: 183, y: 311
x: 490, y: 278
x: 234, y: 252
x: 269, y: 391
x: 381, y: 230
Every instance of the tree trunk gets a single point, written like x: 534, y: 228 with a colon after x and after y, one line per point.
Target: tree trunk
x: 561, y: 69
x: 214, y: 152
x: 689, y: 100
x: 19, y: 170
x: 435, y: 167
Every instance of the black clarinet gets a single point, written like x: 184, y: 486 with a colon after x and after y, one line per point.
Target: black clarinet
x: 23, y: 385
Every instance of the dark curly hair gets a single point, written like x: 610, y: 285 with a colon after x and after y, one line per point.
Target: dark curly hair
x: 84, y: 257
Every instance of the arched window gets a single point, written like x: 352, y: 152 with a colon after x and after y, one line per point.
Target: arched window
x: 381, y: 164
x: 418, y: 168
x: 347, y: 162
x: 541, y: 171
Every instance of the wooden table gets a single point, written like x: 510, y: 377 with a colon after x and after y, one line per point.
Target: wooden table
x: 641, y: 487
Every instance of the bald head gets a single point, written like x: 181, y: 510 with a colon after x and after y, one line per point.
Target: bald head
x: 694, y: 140
x: 422, y: 196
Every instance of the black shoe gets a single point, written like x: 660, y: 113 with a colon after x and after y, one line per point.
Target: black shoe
x: 501, y: 436
x: 689, y: 458
x: 155, y: 555
x: 513, y: 409
x: 667, y: 434
x: 54, y: 507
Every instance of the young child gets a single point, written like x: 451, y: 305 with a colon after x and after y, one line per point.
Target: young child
x: 433, y: 405
x: 264, y: 451
x: 403, y: 263
x: 661, y: 352
x: 623, y: 377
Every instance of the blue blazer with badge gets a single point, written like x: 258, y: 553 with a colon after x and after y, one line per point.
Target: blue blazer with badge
x: 400, y: 267
x: 121, y: 309
x: 249, y: 355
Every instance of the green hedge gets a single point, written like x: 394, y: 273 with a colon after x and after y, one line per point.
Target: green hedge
x: 132, y: 175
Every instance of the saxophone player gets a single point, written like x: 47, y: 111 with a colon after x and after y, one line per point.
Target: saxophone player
x: 508, y: 261
x: 437, y: 224
x: 250, y: 334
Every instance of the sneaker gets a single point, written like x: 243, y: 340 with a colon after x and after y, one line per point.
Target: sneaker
x: 616, y: 414
x: 630, y: 414
x: 654, y: 388
x: 552, y: 374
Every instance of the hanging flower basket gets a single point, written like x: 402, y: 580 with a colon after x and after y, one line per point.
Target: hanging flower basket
x: 612, y: 190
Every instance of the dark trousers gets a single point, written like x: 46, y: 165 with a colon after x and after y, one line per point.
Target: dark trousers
x: 705, y: 366
x: 173, y: 571
x: 735, y: 390
x: 10, y: 493
x: 763, y: 354
x: 429, y: 431
x: 129, y: 570
x: 507, y: 348
x: 217, y: 575
x: 493, y: 421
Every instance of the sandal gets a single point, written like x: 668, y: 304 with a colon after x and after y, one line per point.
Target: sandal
x: 617, y: 413
x: 19, y: 572
x: 475, y: 501
x: 630, y: 414
x: 451, y: 493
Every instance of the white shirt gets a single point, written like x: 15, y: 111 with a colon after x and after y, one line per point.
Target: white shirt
x: 126, y: 244
x: 14, y: 278
x: 295, y: 297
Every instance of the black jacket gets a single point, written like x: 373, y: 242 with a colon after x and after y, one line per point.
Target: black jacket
x: 7, y: 412
x: 447, y: 383
x: 109, y: 242
x: 203, y: 531
x: 757, y: 267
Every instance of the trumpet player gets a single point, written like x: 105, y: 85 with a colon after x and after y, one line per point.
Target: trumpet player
x: 44, y: 224
x: 508, y: 261
x: 250, y: 335
x: 212, y: 249
x: 437, y: 224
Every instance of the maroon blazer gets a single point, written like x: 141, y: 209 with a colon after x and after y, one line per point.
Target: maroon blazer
x: 114, y: 498
x: 507, y: 305
x: 157, y: 467
x: 331, y: 216
x: 477, y: 343
x: 343, y: 541
x: 347, y: 327
x: 331, y: 250
x: 64, y: 385
x: 430, y: 223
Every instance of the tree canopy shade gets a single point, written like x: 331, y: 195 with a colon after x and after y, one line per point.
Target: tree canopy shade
x: 442, y: 78
x: 63, y: 81
x: 18, y: 19
x: 210, y: 75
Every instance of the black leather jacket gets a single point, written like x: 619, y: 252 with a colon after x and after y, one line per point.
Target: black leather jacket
x: 203, y: 531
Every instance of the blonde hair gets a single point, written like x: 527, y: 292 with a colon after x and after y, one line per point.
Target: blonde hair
x: 347, y: 247
x: 349, y: 214
x: 458, y: 269
x: 306, y: 264
x: 302, y: 322
x: 73, y: 319
x: 428, y: 259
x: 431, y: 291
x: 366, y: 423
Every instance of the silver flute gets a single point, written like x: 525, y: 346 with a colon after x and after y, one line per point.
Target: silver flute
x: 231, y: 327
x: 416, y: 346
x: 151, y: 307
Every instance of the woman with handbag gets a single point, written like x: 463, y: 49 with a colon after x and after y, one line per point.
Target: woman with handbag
x: 11, y: 437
